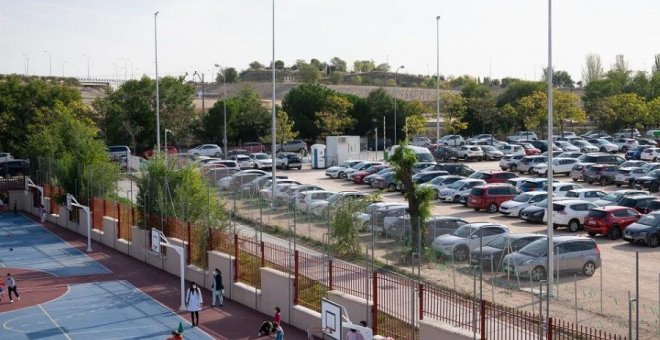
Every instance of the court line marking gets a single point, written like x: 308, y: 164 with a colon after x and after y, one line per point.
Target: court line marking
x: 55, y: 323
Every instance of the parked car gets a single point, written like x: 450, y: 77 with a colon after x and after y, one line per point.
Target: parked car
x: 444, y: 153
x: 359, y: 167
x: 289, y: 195
x: 359, y: 176
x: 566, y: 146
x: 638, y: 202
x: 522, y: 136
x: 368, y: 180
x: 590, y: 195
x: 261, y: 160
x: 645, y: 231
x: 535, y: 213
x: 562, y: 189
x: 578, y: 170
x: 570, y: 213
x: 572, y: 254
x: 426, y: 176
x: 453, y: 140
x: 490, y: 196
x: 211, y: 150
x: 463, y: 240
x: 584, y: 146
x: 338, y: 171
x: 441, y: 182
x: 288, y: 160
x: 570, y: 154
x: 521, y: 201
x: 434, y: 226
x: 510, y: 149
x: 6, y: 156
x: 650, y: 154
x: 647, y: 141
x: 490, y: 256
x: 635, y: 153
x: 614, y: 197
x: 526, y: 164
x: 610, y: 220
x: 458, y: 169
x: 559, y: 166
x: 15, y: 167
x: 470, y: 152
x: 493, y: 176
x: 625, y: 144
x: 627, y: 176
x: 170, y: 149
x: 530, y: 150
x: 534, y: 184
x: 421, y: 141
x: 601, y: 158
x: 453, y: 192
x: 600, y: 173
x: 649, y: 181
x: 632, y: 133
x: 421, y: 166
x: 480, y: 137
x: 386, y: 181
x: 253, y: 147
x: 604, y: 145
x: 320, y: 208
x: 236, y: 180
x: 517, y: 181
x: 305, y: 199
x: 510, y: 162
x: 244, y: 161
x: 491, y: 153
x: 296, y: 145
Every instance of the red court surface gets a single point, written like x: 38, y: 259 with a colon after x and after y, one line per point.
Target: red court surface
x: 233, y: 321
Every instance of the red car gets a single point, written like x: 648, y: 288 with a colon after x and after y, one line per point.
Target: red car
x: 490, y: 196
x: 530, y: 150
x: 358, y: 177
x: 171, y: 150
x: 610, y: 220
x: 253, y: 147
x: 493, y: 176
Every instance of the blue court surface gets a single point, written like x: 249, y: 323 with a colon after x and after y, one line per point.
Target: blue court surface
x: 26, y: 244
x: 99, y: 310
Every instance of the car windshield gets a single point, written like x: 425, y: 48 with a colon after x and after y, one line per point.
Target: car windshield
x: 536, y: 248
x: 464, y: 231
x: 522, y: 198
x: 597, y: 213
x: 611, y: 197
x: 333, y: 198
x: 542, y: 204
x: 650, y: 220
x: 479, y: 175
x: 425, y: 157
x: 654, y: 173
x: 456, y: 185
x: 357, y: 166
x: 499, y: 242
x: 488, y: 148
x: 261, y: 156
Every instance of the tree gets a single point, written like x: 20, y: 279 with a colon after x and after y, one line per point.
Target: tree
x: 73, y: 144
x: 455, y: 106
x: 631, y: 109
x: 317, y: 64
x: 656, y: 64
x: 560, y: 79
x: 517, y: 89
x: 419, y: 198
x: 230, y: 73
x: 301, y: 103
x: 309, y: 73
x: 619, y: 72
x: 363, y: 66
x: 532, y: 110
x: 279, y: 65
x: 415, y: 121
x: 338, y: 64
x: 654, y: 112
x: 284, y: 128
x: 255, y: 66
x: 565, y: 108
x: 593, y: 68
x: 384, y: 67
x: 333, y: 119
x: 485, y: 110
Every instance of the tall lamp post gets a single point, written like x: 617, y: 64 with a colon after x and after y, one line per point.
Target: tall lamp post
x: 396, y: 73
x: 157, y: 82
x: 550, y: 265
x: 224, y: 107
x: 50, y: 64
x: 437, y: 78
x: 27, y: 64
x: 273, y: 119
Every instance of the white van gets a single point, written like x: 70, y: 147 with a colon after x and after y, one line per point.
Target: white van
x: 423, y: 154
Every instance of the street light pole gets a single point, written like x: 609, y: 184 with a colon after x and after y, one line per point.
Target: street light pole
x: 224, y: 107
x: 550, y: 175
x: 437, y: 78
x: 395, y: 88
x: 273, y: 119
x: 157, y: 82
x: 27, y: 64
x: 50, y: 64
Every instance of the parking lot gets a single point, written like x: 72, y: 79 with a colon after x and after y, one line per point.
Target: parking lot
x: 597, y: 301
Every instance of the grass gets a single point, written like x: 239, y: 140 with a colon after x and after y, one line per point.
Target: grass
x: 395, y: 328
x: 310, y: 293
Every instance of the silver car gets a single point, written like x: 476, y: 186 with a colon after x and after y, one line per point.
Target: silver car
x: 461, y: 242
x: 571, y: 254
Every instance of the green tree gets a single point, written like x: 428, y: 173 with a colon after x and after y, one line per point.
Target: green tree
x: 384, y: 67
x: 230, y: 73
x: 279, y: 65
x: 363, y: 66
x: 656, y: 64
x: 301, y: 103
x: 338, y: 64
x: 419, y: 198
x: 593, y: 68
x: 333, y: 119
x: 654, y: 111
x: 345, y: 224
x: 484, y: 109
x: 415, y: 121
x: 532, y: 110
x: 73, y: 144
x: 455, y: 107
x: 560, y: 79
x: 255, y: 66
x: 284, y: 129
x: 631, y: 109
x: 309, y: 73
x: 565, y: 107
x: 619, y: 72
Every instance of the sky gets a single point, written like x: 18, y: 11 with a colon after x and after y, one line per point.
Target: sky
x: 500, y: 38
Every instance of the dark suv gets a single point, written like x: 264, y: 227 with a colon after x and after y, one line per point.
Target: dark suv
x: 490, y: 196
x: 601, y: 173
x: 458, y: 169
x: 599, y: 158
x: 639, y: 203
x: 15, y: 167
x: 493, y: 176
x: 650, y: 181
x: 646, y: 231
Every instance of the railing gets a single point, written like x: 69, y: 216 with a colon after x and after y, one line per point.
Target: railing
x: 562, y: 330
x: 310, y: 280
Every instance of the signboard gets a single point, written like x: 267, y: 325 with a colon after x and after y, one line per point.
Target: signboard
x: 155, y: 241
x: 331, y: 319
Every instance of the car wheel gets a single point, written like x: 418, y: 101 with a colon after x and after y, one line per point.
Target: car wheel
x: 514, y: 168
x: 591, y: 233
x: 603, y: 150
x: 530, y: 172
x: 590, y: 182
x: 195, y: 155
x: 538, y: 273
x: 476, y: 209
x: 655, y: 159
x: 455, y: 199
x: 492, y: 208
x: 589, y: 269
x: 573, y: 225
x: 574, y: 179
x: 618, y: 185
x: 301, y: 150
x: 624, y: 149
x: 286, y: 167
x: 341, y: 175
x: 391, y: 187
x: 614, y: 232
x: 300, y: 168
x: 217, y: 155
x: 653, y: 241
x: 460, y: 254
x: 603, y: 181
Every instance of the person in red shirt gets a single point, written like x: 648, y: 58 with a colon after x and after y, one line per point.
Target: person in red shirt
x: 278, y: 316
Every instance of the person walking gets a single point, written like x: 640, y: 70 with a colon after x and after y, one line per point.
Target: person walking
x: 12, y: 287
x: 2, y: 289
x: 277, y: 318
x: 42, y: 213
x: 194, y: 303
x: 217, y: 288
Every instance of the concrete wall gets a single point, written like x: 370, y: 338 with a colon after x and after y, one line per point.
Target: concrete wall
x: 358, y: 309
x: 277, y: 293
x: 109, y: 231
x: 432, y: 330
x: 225, y: 263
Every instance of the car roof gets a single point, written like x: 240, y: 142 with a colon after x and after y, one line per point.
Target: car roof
x: 573, y: 201
x: 611, y: 208
x: 517, y: 236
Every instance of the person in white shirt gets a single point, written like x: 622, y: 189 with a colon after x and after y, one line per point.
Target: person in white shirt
x: 194, y: 303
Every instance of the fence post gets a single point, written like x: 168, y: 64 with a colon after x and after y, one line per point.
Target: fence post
x: 91, y: 207
x: 236, y: 258
x: 374, y: 310
x: 263, y: 257
x: 421, y: 301
x: 118, y: 221
x: 482, y: 320
x: 104, y: 209
x: 549, y: 328
x: 330, y: 274
x: 296, y: 267
x: 190, y: 244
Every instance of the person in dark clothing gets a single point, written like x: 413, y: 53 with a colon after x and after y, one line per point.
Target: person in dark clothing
x: 217, y: 287
x: 12, y: 287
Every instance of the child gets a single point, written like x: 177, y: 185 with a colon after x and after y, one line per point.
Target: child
x: 2, y: 289
x: 279, y: 332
